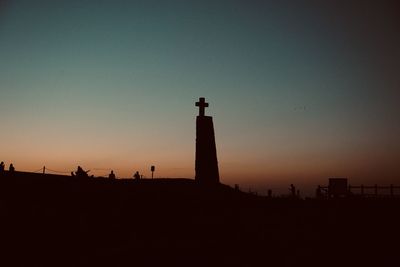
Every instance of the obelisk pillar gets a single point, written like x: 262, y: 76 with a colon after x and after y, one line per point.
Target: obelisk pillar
x: 206, y: 164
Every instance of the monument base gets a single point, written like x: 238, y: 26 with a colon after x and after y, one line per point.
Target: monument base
x: 206, y: 152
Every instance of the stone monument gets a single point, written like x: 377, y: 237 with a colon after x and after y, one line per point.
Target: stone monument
x: 206, y: 152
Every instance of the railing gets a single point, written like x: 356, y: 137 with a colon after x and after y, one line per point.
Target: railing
x: 375, y: 190
x: 365, y: 191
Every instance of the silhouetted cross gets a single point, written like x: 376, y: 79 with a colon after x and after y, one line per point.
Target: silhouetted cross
x: 202, y: 105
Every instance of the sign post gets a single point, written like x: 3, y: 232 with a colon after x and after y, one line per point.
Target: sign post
x: 152, y: 168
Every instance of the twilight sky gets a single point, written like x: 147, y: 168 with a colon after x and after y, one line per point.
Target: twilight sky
x: 300, y: 91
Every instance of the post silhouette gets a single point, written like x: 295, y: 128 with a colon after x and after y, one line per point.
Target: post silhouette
x: 206, y: 164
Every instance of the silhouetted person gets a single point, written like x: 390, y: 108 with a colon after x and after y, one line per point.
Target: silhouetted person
x: 318, y: 192
x: 2, y: 167
x: 292, y: 190
x: 11, y: 168
x: 269, y: 193
x: 72, y: 174
x: 136, y: 176
x: 111, y: 175
x: 81, y: 173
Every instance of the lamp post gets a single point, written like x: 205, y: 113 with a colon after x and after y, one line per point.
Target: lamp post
x: 152, y: 169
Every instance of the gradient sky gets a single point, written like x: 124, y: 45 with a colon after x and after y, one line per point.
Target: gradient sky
x: 300, y: 91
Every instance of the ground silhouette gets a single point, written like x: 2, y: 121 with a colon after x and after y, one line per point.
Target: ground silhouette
x: 50, y: 220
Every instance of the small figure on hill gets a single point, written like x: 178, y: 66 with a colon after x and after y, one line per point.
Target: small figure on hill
x: 2, y: 167
x: 11, y: 168
x: 111, y: 175
x: 72, y: 174
x: 81, y: 173
x: 318, y: 192
x: 292, y: 190
x: 136, y: 176
x: 269, y: 193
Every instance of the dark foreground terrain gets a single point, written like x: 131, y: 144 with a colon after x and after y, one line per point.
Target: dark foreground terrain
x: 51, y: 220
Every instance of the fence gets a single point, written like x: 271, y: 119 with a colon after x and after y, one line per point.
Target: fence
x: 363, y: 191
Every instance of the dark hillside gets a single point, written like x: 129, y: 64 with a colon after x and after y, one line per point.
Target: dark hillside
x: 60, y: 220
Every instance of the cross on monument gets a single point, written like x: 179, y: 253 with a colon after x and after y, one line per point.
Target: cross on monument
x: 206, y: 164
x: 202, y: 105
